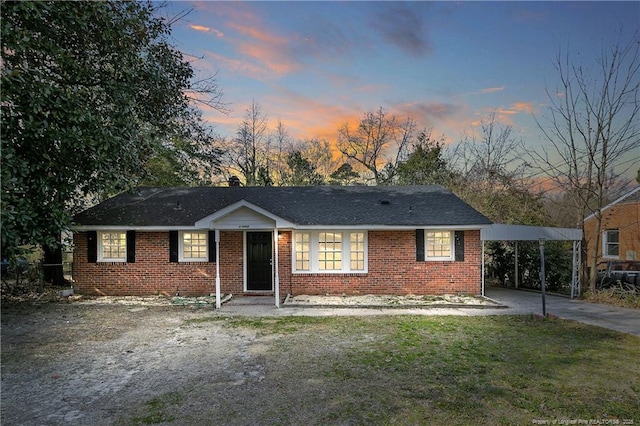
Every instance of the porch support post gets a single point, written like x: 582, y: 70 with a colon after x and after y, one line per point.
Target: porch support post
x: 482, y: 269
x: 277, y: 268
x: 217, y: 232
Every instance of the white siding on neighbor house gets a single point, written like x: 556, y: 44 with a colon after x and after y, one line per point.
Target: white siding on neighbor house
x: 244, y: 218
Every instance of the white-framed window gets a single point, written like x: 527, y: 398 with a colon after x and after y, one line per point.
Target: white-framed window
x: 112, y: 246
x: 611, y: 243
x: 302, y: 252
x: 356, y: 240
x: 439, y: 245
x: 193, y: 246
x: 330, y: 251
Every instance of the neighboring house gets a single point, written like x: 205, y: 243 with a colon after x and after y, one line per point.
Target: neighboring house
x: 279, y: 240
x: 620, y: 229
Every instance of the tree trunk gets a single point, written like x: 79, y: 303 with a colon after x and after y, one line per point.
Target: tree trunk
x: 52, y: 266
x: 593, y: 259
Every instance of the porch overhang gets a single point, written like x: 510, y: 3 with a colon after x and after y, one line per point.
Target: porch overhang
x: 242, y: 215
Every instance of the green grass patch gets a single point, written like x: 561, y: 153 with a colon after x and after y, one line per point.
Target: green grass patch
x: 445, y: 370
x: 266, y: 325
x: 502, y: 369
x: 518, y: 367
x: 159, y: 410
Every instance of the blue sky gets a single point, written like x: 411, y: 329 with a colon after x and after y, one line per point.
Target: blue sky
x: 317, y: 65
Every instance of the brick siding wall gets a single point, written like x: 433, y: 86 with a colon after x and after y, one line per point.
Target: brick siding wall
x: 392, y: 269
x: 626, y: 218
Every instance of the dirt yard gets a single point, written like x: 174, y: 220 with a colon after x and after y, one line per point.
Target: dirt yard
x: 66, y: 364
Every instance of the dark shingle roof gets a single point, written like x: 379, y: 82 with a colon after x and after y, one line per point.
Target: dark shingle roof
x: 318, y: 205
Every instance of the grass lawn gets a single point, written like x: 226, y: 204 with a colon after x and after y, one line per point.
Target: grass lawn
x: 451, y: 370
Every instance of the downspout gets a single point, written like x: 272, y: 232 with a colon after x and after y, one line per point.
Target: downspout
x: 218, y: 269
x: 277, y: 268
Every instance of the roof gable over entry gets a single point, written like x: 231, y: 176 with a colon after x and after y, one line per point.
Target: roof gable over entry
x: 383, y: 206
x: 242, y: 215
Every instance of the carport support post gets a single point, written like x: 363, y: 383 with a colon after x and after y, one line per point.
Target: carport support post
x: 574, y: 270
x: 542, y: 277
x: 217, y: 232
x: 516, y: 255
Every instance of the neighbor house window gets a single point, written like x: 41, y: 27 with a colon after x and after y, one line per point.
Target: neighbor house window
x: 112, y: 246
x: 330, y: 251
x: 193, y: 246
x: 611, y: 243
x: 439, y: 245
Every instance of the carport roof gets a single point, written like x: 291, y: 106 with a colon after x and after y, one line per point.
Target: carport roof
x: 499, y: 232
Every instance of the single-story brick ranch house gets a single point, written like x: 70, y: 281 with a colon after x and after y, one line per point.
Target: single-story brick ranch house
x: 278, y: 241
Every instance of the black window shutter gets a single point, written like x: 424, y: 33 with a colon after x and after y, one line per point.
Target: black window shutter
x: 173, y: 246
x: 131, y: 246
x: 420, y: 245
x: 92, y: 246
x: 212, y: 246
x: 459, y: 246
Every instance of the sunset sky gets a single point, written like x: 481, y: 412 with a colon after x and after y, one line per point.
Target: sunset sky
x: 316, y: 65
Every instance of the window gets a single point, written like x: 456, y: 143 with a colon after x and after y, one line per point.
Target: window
x: 330, y: 251
x: 439, y: 245
x: 357, y: 251
x: 193, y: 247
x: 302, y: 251
x: 112, y: 246
x: 611, y: 243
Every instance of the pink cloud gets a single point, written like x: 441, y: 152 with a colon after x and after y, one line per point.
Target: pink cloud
x: 237, y: 66
x: 492, y: 89
x: 200, y: 28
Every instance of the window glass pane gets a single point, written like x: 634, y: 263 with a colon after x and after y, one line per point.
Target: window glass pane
x: 194, y: 245
x: 114, y: 245
x: 330, y: 251
x: 357, y: 251
x: 612, y: 242
x: 302, y: 251
x: 438, y: 244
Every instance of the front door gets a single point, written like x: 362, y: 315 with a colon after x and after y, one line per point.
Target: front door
x: 259, y: 269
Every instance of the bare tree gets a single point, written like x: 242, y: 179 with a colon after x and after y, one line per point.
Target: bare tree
x: 489, y: 175
x: 378, y: 143
x: 282, y: 147
x: 319, y: 152
x: 592, y: 123
x: 250, y: 148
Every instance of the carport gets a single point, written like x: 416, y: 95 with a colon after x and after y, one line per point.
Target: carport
x: 499, y: 232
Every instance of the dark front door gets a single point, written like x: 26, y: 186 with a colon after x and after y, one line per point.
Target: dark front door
x: 259, y: 261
